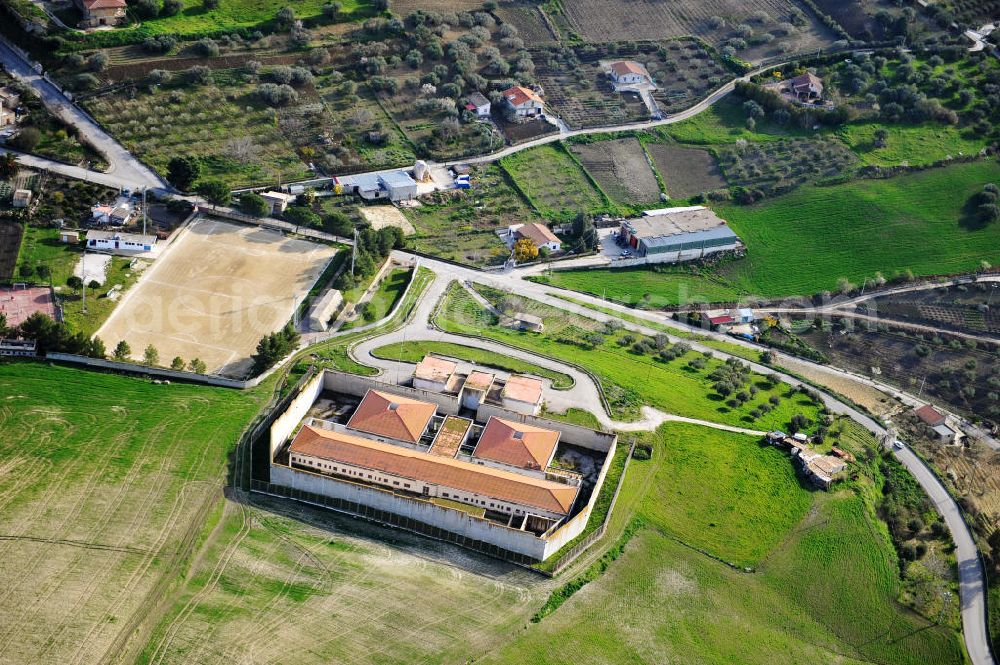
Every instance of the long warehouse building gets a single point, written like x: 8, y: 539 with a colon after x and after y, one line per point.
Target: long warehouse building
x: 677, y: 234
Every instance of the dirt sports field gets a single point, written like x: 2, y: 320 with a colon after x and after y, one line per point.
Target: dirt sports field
x: 686, y: 171
x: 215, y: 293
x: 620, y: 167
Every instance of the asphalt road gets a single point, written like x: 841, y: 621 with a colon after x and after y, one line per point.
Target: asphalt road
x: 972, y: 578
x: 124, y: 170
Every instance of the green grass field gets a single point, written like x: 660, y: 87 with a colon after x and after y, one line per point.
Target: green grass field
x: 41, y: 247
x: 907, y: 144
x: 194, y: 19
x: 553, y: 183
x: 803, y: 242
x: 412, y: 352
x: 389, y: 291
x: 663, y: 602
x: 635, y: 286
x: 105, y: 478
x: 628, y: 379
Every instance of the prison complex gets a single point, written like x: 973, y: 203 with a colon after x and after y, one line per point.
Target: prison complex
x: 434, y: 459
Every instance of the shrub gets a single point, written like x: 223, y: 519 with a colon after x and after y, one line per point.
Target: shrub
x: 26, y: 140
x: 207, y: 48
x: 276, y: 95
x: 171, y: 7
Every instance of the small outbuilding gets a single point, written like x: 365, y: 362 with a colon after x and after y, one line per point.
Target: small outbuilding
x: 69, y: 237
x: 120, y: 243
x: 522, y: 394
x: 324, y: 309
x: 22, y: 198
x: 479, y: 104
x: 433, y: 373
x: 278, y: 201
x: 530, y: 322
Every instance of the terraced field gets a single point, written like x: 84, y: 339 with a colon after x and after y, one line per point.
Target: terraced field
x: 553, y: 183
x: 104, y: 483
x: 621, y: 168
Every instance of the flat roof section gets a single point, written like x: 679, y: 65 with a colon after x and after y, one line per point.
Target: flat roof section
x: 403, y: 462
x: 478, y: 380
x: 432, y: 368
x: 523, y: 389
x: 450, y: 437
x: 674, y: 221
x: 517, y: 444
x: 392, y: 416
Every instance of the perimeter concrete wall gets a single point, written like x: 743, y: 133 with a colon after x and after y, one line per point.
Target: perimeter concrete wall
x: 425, y: 512
x: 285, y: 424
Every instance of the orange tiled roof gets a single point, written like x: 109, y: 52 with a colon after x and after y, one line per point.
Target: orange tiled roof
x: 520, y: 95
x: 465, y: 476
x: 623, y: 67
x: 392, y: 416
x: 930, y: 415
x: 432, y: 368
x: 517, y: 444
x: 523, y: 389
x: 537, y: 233
x: 103, y: 4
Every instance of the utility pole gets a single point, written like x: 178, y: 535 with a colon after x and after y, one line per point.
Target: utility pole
x: 143, y: 211
x: 354, y: 250
x: 84, y: 271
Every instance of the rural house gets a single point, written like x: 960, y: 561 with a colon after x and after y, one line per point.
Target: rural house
x: 528, y: 322
x: 627, y: 72
x: 9, y: 101
x: 278, y: 201
x: 478, y: 104
x: 100, y: 12
x: 805, y: 88
x: 22, y: 198
x: 539, y: 234
x: 523, y: 103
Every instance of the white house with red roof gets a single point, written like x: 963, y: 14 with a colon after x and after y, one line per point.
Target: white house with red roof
x: 628, y: 72
x: 100, y: 12
x: 523, y: 102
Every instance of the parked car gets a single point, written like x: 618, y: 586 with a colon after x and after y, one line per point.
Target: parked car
x: 897, y: 444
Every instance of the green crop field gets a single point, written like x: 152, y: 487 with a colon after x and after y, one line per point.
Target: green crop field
x: 104, y: 480
x: 628, y: 379
x: 803, y: 242
x: 412, y: 352
x: 194, y: 19
x: 555, y: 184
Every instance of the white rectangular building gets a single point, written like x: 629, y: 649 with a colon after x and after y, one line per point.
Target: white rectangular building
x: 119, y: 243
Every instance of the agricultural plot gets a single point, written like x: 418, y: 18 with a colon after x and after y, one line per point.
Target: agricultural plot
x: 621, y: 168
x: 461, y: 224
x: 777, y: 166
x: 958, y: 376
x: 106, y: 482
x: 686, y: 171
x: 329, y: 589
x: 235, y: 138
x: 578, y: 89
x: 219, y: 288
x: 647, y: 287
x: 554, y: 184
x: 10, y: 244
x: 195, y: 19
x: 596, y: 21
x: 529, y: 23
x: 912, y: 145
x: 965, y: 308
x: 912, y: 222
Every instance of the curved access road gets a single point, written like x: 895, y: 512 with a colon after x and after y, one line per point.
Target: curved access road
x: 123, y: 168
x: 972, y: 577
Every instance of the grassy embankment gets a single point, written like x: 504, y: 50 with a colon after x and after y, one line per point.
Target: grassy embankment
x: 629, y: 379
x: 825, y: 589
x: 412, y: 352
x: 385, y: 297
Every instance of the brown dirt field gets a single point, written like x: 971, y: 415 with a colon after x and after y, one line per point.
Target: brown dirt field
x: 530, y: 25
x: 874, y: 400
x: 621, y: 168
x: 10, y: 243
x: 974, y: 473
x: 600, y: 21
x: 686, y: 171
x: 215, y: 293
x: 404, y: 7
x: 382, y: 216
